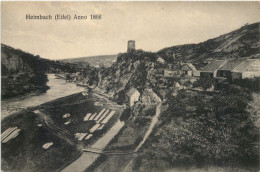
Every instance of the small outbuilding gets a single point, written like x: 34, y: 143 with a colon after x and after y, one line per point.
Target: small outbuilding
x: 133, y: 96
x: 189, y: 70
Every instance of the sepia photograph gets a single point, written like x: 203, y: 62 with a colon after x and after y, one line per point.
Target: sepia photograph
x: 130, y: 86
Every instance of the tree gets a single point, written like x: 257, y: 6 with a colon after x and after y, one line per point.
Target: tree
x: 204, y: 82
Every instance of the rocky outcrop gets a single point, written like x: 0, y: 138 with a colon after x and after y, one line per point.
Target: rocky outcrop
x: 13, y: 62
x: 130, y: 70
x: 149, y: 97
x: 21, y: 72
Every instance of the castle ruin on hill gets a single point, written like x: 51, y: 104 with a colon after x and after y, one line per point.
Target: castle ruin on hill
x: 131, y: 46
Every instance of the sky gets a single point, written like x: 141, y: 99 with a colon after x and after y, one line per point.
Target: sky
x: 153, y: 25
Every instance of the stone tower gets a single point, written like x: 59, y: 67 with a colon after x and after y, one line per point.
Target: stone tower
x: 131, y: 46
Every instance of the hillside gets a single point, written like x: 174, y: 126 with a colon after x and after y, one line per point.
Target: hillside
x: 242, y: 42
x: 22, y: 72
x: 196, y: 128
x: 96, y: 61
x: 141, y: 69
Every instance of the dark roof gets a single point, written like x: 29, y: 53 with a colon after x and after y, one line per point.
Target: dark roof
x: 214, y: 65
x: 245, y: 64
x: 132, y: 91
x: 231, y: 64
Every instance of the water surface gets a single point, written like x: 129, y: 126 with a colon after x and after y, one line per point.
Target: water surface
x: 58, y: 88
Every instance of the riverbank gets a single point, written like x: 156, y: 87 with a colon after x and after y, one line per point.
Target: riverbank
x: 58, y: 88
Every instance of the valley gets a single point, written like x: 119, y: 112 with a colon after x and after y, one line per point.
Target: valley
x: 185, y: 107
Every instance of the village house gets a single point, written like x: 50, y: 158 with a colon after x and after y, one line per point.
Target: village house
x: 211, y: 69
x: 225, y: 70
x: 133, y: 95
x: 186, y: 69
x: 189, y: 70
x: 249, y: 68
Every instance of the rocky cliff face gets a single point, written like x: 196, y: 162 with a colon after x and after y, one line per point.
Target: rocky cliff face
x: 130, y: 70
x: 21, y: 72
x: 13, y: 62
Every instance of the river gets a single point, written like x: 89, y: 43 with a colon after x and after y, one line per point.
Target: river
x: 58, y: 88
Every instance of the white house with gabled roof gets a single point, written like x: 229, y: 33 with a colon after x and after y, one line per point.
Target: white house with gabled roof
x: 133, y: 95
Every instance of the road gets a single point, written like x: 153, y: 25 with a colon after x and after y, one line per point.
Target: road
x: 147, y: 134
x: 87, y: 158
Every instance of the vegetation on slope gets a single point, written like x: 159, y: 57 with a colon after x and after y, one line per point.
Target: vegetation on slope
x: 22, y: 72
x: 203, y: 130
x: 242, y: 42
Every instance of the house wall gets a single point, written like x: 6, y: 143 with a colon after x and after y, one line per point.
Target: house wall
x: 196, y: 73
x: 236, y: 75
x: 134, y: 98
x: 224, y: 73
x: 188, y: 73
x: 191, y: 72
x: 215, y: 74
x: 186, y: 70
x: 250, y: 74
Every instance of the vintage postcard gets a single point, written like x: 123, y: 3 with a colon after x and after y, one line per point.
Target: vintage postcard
x: 130, y: 86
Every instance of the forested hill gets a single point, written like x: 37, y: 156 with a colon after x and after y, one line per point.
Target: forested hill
x: 22, y: 72
x: 242, y: 42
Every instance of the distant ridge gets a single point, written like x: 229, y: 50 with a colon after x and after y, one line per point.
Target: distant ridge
x: 98, y: 61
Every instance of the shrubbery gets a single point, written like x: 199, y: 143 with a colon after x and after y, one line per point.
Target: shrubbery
x: 199, y: 129
x: 252, y: 84
x: 204, y: 82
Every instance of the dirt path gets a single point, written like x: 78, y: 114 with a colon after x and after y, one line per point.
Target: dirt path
x: 147, y: 134
x: 87, y: 158
x: 150, y: 129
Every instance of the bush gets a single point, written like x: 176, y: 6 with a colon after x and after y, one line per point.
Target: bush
x: 219, y: 132
x: 252, y: 84
x: 204, y: 82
